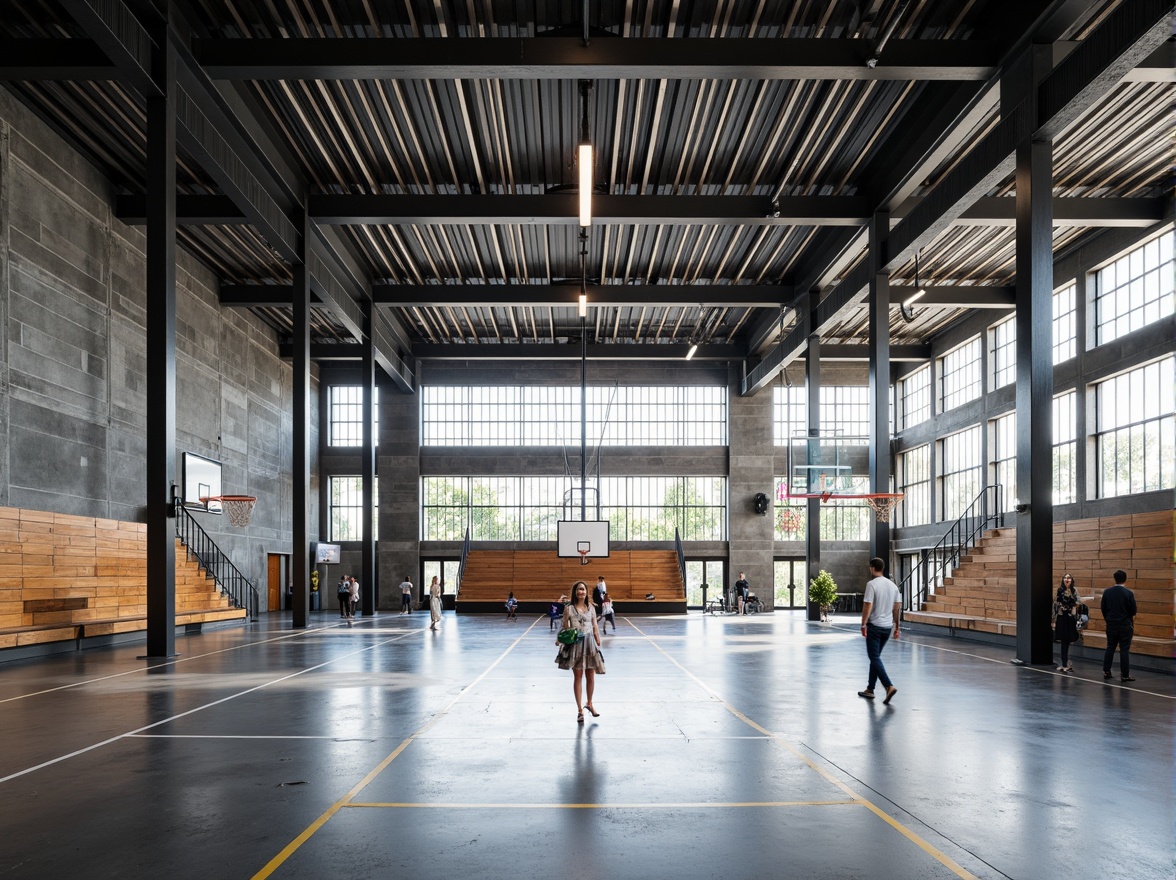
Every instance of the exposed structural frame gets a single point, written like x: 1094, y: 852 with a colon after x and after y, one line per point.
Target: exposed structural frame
x: 1130, y: 34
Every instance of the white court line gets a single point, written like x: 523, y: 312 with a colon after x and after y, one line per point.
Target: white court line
x: 241, y: 736
x: 150, y: 666
x: 138, y: 730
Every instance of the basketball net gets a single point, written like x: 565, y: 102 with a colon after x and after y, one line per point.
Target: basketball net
x: 238, y: 508
x: 883, y: 504
x: 583, y: 557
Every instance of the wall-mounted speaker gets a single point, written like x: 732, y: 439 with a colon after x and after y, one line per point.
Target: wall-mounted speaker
x: 761, y: 504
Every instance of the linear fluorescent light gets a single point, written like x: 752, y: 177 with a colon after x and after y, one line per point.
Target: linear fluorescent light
x: 583, y: 305
x: 584, y: 160
x: 914, y: 297
x: 693, y: 349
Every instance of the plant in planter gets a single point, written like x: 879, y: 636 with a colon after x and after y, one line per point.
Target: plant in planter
x: 823, y: 591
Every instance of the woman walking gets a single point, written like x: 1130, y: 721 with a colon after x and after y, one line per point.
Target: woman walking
x: 583, y: 657
x: 434, y: 603
x: 1066, y: 619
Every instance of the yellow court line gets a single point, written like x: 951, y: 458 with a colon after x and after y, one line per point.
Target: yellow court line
x: 683, y: 805
x: 936, y: 854
x: 292, y: 847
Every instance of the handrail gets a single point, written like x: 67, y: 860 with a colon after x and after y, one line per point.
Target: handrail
x: 465, y: 551
x: 240, y: 590
x: 681, y: 554
x: 986, y: 511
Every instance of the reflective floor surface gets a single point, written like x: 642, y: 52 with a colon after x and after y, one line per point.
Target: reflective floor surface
x: 725, y: 748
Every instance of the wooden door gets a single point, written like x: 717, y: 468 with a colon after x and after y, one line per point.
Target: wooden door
x: 274, y: 581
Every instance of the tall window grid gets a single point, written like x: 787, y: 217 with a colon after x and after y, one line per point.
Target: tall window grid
x: 1136, y: 430
x: 345, y: 508
x: 1004, y: 457
x: 915, y: 397
x: 1065, y: 323
x: 1135, y: 290
x: 845, y: 412
x: 1002, y: 347
x: 550, y: 416
x: 961, y: 377
x: 914, y: 475
x: 518, y: 508
x: 960, y: 474
x: 1065, y: 448
x: 346, y: 415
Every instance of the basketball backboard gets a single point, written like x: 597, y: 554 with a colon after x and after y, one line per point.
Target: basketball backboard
x: 574, y: 537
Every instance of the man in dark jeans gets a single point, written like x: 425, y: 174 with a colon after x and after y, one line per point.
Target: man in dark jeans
x: 1118, y: 610
x: 881, y: 612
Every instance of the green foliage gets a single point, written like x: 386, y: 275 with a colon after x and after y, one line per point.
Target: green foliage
x: 314, y: 581
x: 822, y: 589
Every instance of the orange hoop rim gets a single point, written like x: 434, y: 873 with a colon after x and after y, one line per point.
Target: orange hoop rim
x: 223, y: 498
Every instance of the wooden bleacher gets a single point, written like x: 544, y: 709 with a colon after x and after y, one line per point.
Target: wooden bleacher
x: 538, y: 577
x: 981, y: 594
x: 67, y: 578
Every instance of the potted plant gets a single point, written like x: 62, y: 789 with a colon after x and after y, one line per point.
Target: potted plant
x: 823, y: 591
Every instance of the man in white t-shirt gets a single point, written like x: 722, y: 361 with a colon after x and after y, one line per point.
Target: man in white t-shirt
x: 881, y: 609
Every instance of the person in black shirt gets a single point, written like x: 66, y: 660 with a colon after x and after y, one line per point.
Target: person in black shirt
x: 1118, y: 610
x: 741, y: 589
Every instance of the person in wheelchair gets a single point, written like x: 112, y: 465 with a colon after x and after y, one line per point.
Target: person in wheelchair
x: 752, y: 605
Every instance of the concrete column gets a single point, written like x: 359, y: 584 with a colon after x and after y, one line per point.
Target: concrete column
x: 879, y: 380
x: 750, y: 471
x: 400, y: 494
x: 812, y: 387
x: 367, y: 468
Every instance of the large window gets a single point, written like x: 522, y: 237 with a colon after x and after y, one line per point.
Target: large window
x: 914, y: 476
x: 345, y: 508
x: 962, y: 379
x: 845, y: 412
x: 1002, y: 348
x: 915, y: 397
x: 1004, y: 457
x: 346, y: 415
x: 1135, y: 290
x: 1136, y: 430
x: 517, y: 508
x: 550, y: 416
x: 960, y: 471
x: 1065, y: 448
x: 1065, y: 323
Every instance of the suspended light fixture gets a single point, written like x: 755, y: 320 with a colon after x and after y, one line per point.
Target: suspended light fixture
x: 908, y: 312
x: 693, y: 349
x: 584, y: 158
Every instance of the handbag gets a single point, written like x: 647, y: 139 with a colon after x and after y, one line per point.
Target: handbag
x: 568, y: 636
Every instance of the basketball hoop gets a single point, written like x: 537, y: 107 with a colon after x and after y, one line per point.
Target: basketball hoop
x: 238, y: 508
x: 883, y: 503
x: 583, y: 557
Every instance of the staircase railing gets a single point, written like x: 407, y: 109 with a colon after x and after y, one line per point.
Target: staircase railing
x: 231, y: 581
x: 986, y: 511
x: 465, y: 552
x: 681, y: 555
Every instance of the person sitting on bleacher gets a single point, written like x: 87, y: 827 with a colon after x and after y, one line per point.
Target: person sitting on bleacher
x: 556, y: 612
x: 512, y: 605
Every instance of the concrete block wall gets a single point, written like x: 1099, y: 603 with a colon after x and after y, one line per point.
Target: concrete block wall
x: 73, y: 358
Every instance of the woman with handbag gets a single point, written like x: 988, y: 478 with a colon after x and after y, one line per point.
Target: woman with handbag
x: 579, y: 651
x: 1066, y: 619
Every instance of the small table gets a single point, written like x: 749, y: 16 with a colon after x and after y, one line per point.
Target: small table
x: 853, y: 601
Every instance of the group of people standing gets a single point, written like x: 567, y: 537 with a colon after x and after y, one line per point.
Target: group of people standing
x: 348, y: 592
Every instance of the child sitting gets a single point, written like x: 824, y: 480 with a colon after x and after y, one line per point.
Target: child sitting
x: 606, y: 614
x: 512, y: 605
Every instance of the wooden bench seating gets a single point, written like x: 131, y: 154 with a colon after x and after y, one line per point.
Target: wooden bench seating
x: 70, y: 578
x: 981, y: 594
x: 538, y: 577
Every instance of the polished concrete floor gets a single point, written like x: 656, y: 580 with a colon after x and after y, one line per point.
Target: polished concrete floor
x: 726, y: 748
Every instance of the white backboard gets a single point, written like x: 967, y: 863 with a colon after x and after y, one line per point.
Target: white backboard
x: 574, y: 535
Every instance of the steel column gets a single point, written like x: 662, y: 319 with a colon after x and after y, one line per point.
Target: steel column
x: 1034, y: 392
x: 161, y: 356
x: 301, y: 439
x: 812, y: 388
x: 367, y: 467
x: 879, y: 304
